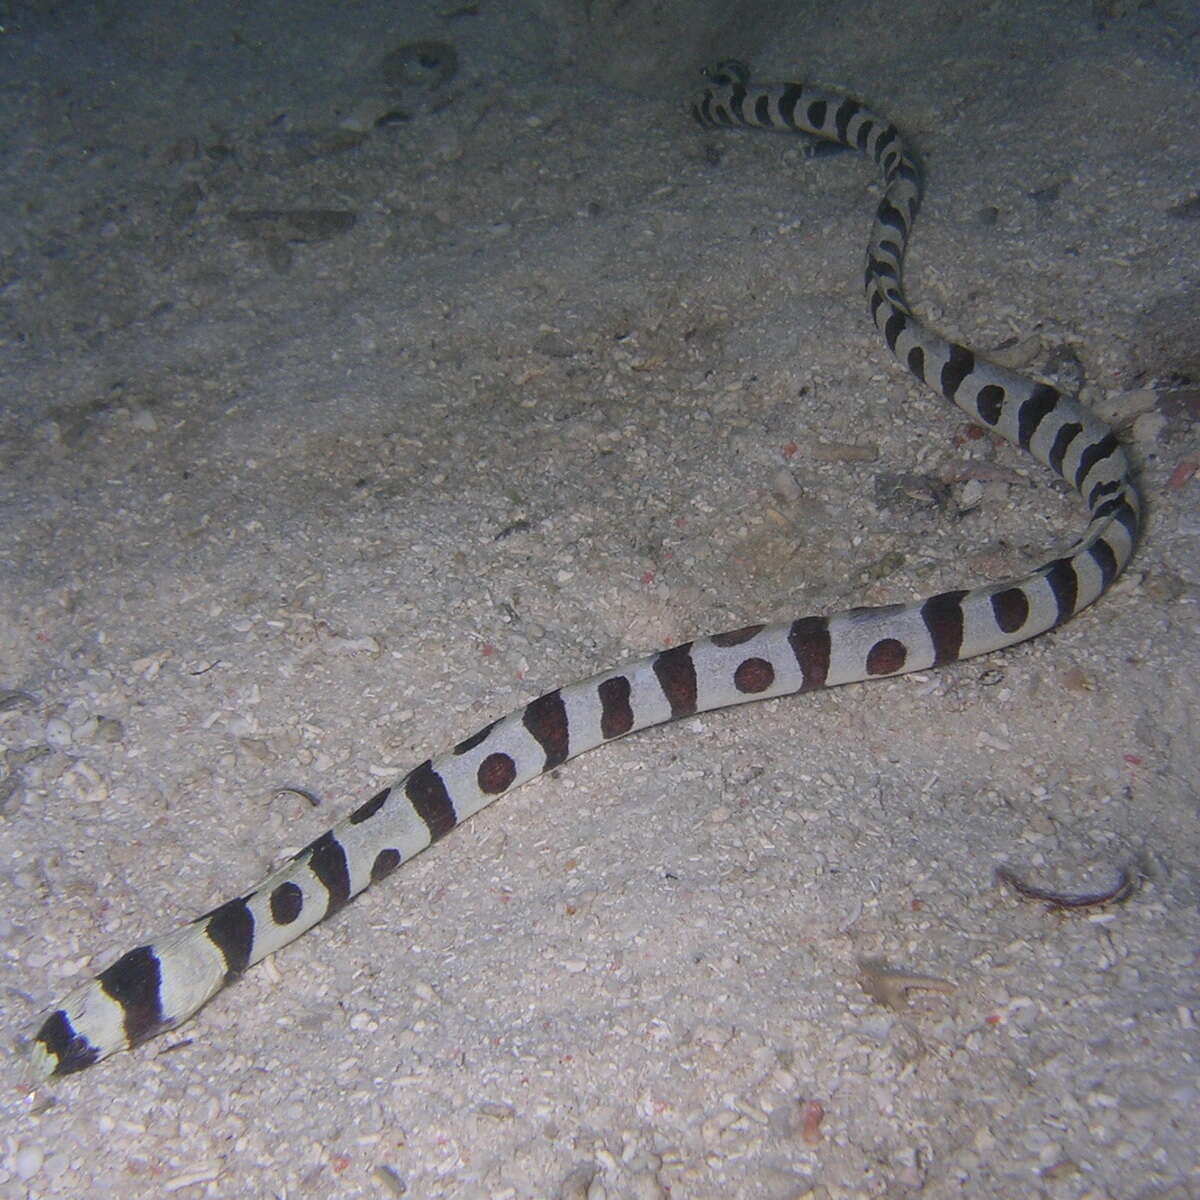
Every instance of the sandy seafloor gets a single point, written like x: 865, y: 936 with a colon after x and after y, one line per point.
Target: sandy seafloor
x: 296, y: 505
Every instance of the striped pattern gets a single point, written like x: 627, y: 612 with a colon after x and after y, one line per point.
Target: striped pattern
x: 156, y: 986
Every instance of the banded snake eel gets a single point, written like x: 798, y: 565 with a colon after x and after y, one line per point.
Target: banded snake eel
x: 157, y: 986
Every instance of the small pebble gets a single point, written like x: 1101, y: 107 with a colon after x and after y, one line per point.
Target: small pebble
x: 497, y: 1111
x: 1149, y: 427
x: 58, y: 733
x: 27, y: 1161
x: 972, y: 493
x: 390, y: 1180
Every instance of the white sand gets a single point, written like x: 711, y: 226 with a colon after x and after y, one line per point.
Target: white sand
x: 250, y: 514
